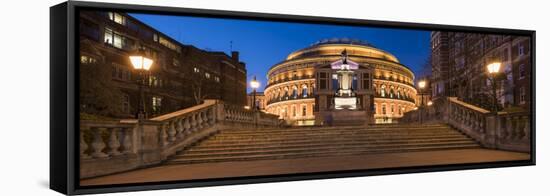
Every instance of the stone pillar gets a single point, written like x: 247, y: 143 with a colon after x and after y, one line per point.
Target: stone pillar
x: 127, y: 141
x: 98, y: 144
x: 114, y: 143
x: 490, y: 136
x: 83, y: 147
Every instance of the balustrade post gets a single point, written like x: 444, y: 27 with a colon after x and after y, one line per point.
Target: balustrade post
x: 199, y: 120
x: 172, y: 132
x: 516, y: 132
x: 127, y: 142
x: 508, y: 127
x: 193, y: 123
x: 205, y: 118
x: 211, y: 116
x: 527, y: 128
x: 179, y: 128
x: 83, y: 147
x: 98, y: 145
x: 186, y: 125
x: 114, y: 142
x: 163, y: 134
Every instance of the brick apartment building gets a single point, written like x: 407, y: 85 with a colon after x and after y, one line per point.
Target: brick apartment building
x: 181, y: 75
x: 459, y: 67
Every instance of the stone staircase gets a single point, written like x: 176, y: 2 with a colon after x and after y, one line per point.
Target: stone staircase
x: 282, y: 143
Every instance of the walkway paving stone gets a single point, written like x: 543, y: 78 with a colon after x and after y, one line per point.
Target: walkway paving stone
x: 306, y: 165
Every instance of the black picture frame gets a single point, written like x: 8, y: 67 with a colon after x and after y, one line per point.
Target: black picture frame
x: 64, y: 161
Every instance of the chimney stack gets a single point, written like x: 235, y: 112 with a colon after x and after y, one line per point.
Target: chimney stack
x: 235, y: 56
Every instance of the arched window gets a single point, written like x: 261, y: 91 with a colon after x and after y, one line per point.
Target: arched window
x: 383, y: 91
x: 399, y: 94
x: 286, y: 93
x: 304, y: 91
x: 294, y: 92
x: 391, y: 93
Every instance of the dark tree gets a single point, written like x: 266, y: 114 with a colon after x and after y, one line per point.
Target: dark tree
x: 97, y: 93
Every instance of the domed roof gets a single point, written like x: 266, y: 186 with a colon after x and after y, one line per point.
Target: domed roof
x: 334, y: 46
x: 343, y: 41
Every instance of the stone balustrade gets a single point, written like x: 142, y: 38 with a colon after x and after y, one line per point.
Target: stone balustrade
x: 468, y: 118
x: 514, y: 131
x: 110, y: 141
x: 505, y: 130
x: 113, y: 146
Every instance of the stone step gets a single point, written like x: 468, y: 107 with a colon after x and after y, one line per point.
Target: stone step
x: 293, y: 130
x: 226, y: 134
x: 268, y: 138
x: 186, y: 160
x: 334, y: 146
x: 232, y: 148
x: 325, y: 142
x: 376, y: 126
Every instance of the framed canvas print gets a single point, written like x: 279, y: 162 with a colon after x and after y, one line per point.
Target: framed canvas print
x: 146, y: 97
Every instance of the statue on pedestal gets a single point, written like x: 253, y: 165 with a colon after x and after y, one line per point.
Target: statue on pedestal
x: 345, y: 97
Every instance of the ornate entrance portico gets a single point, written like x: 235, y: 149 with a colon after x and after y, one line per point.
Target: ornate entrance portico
x: 347, y: 99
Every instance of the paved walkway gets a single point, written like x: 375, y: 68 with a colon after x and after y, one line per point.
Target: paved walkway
x: 317, y: 164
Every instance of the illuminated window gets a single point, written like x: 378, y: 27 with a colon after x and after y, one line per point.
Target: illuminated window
x: 157, y: 104
x: 115, y: 39
x: 87, y: 60
x: 117, y: 17
x: 207, y: 75
x: 165, y: 42
x: 154, y: 81
x: 217, y: 79
x: 155, y: 37
x: 196, y: 70
x: 383, y: 91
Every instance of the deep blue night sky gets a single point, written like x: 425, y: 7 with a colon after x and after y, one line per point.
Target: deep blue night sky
x: 262, y: 44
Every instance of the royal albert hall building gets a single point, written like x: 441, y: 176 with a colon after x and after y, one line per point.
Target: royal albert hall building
x: 291, y: 91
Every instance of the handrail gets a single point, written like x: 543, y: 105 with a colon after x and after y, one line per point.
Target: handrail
x: 206, y: 103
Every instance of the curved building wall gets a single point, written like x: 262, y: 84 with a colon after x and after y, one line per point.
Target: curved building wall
x: 290, y: 92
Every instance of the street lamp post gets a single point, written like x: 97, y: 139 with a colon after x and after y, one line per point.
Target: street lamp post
x: 255, y: 85
x: 421, y: 86
x: 493, y: 70
x: 141, y: 63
